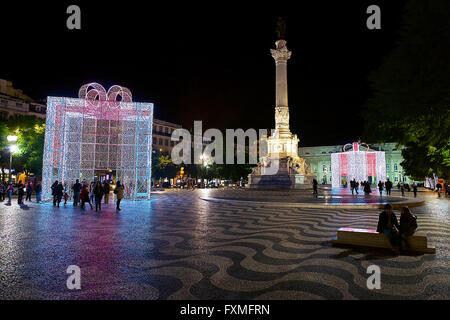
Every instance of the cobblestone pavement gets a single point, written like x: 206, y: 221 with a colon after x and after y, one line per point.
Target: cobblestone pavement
x: 178, y: 246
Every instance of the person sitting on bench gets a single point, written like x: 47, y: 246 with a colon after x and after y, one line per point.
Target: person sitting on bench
x: 388, y: 225
x: 408, y: 225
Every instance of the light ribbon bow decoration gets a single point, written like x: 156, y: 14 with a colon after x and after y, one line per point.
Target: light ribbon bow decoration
x: 355, y: 146
x: 95, y: 95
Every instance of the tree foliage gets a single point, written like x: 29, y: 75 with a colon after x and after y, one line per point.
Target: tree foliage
x: 411, y: 91
x: 30, y: 133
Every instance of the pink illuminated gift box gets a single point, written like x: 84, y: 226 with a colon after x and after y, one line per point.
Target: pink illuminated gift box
x: 354, y: 163
x: 100, y: 132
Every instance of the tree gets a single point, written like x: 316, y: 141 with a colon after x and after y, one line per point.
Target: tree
x: 30, y: 133
x: 411, y: 99
x: 162, y: 166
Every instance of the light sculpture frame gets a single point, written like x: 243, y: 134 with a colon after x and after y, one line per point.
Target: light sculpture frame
x: 353, y: 163
x: 97, y: 133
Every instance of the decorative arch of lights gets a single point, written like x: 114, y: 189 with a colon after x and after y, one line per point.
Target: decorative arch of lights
x: 97, y: 134
x: 361, y: 165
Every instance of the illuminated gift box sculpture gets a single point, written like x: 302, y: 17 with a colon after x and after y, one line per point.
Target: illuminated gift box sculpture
x: 355, y: 164
x: 96, y: 135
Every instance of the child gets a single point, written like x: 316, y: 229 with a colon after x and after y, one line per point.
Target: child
x: 66, y: 197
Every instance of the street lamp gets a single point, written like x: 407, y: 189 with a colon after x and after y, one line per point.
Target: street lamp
x: 11, y: 138
x: 13, y: 148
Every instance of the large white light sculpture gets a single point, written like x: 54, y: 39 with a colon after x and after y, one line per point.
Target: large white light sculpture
x: 353, y: 163
x: 98, y: 133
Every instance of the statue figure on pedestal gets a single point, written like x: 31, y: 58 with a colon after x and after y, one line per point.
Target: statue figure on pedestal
x: 281, y: 29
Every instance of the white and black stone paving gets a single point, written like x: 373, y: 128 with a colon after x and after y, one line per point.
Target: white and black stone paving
x: 178, y: 246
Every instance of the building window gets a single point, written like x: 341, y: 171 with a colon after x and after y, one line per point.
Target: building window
x: 154, y: 140
x: 166, y: 130
x: 18, y: 104
x: 160, y: 142
x: 395, y: 167
x: 172, y: 143
x: 396, y: 179
x: 166, y: 142
x: 3, y: 115
x: 324, y: 167
x: 387, y: 166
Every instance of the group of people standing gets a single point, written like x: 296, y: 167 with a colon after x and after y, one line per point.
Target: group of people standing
x: 7, y: 189
x: 354, y: 186
x: 387, y: 186
x: 84, y: 193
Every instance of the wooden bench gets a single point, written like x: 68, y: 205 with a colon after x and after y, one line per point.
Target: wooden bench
x: 371, y: 238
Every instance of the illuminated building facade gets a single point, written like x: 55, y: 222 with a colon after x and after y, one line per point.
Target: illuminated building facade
x: 319, y: 160
x: 96, y: 135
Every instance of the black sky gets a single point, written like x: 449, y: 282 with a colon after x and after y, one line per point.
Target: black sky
x: 207, y: 61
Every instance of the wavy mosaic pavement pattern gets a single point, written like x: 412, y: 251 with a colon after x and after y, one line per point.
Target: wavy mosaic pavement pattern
x: 181, y: 247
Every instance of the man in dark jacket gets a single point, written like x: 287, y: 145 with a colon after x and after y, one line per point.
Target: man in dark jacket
x: 388, y: 225
x: 388, y: 186
x: 59, y: 191
x: 98, y: 194
x: 76, y: 192
x: 53, y: 187
x: 106, y: 190
x: 315, y: 187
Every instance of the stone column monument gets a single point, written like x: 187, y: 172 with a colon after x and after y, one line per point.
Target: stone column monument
x: 281, y: 168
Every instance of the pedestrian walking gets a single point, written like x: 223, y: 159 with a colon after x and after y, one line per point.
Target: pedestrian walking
x: 76, y: 192
x: 38, y: 192
x: 353, y: 185
x: 380, y: 187
x: 402, y: 189
x: 84, y: 196
x: 106, y: 190
x: 53, y: 187
x: 98, y: 194
x: 91, y: 191
x: 367, y: 189
x: 439, y: 187
x: 315, y: 187
x: 119, y: 193
x: 29, y: 191
x: 20, y: 192
x: 66, y: 197
x: 10, y: 191
x: 3, y: 188
x: 414, y: 186
x: 59, y: 192
x: 388, y: 185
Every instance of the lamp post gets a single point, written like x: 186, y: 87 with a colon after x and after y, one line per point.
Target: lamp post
x: 13, y: 148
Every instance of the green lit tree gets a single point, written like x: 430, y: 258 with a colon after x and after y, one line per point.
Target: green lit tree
x: 30, y: 133
x: 411, y: 100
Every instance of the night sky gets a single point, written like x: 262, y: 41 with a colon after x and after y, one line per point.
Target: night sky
x: 207, y: 61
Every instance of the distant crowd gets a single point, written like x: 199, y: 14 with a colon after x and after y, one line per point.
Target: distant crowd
x: 387, y: 187
x: 81, y: 193
x: 7, y: 190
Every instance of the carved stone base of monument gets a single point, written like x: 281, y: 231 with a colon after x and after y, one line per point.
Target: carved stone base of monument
x: 288, y: 176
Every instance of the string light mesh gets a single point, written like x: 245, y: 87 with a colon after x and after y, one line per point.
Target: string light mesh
x: 358, y: 165
x: 98, y: 134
